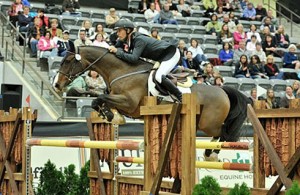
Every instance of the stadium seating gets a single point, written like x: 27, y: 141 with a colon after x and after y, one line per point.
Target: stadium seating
x: 231, y: 81
x: 225, y: 71
x: 264, y: 83
x: 170, y: 28
x: 278, y: 85
x: 185, y: 29
x: 246, y: 84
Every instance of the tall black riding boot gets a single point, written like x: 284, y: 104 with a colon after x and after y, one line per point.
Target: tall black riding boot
x: 171, y: 87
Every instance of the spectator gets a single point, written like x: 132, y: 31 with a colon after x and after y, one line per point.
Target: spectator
x: 268, y: 23
x: 282, y: 39
x: 225, y: 35
x: 285, y: 100
x: 65, y: 44
x: 233, y: 18
x: 249, y: 12
x: 261, y: 12
x: 191, y: 63
x: 273, y: 19
x: 239, y: 52
x: 152, y: 15
x: 219, y: 12
x: 236, y: 5
x: 71, y: 7
x: 296, y: 89
x: 226, y: 55
x: 26, y: 3
x: 231, y: 25
x: 260, y: 53
x: 226, y: 5
x: 143, y: 6
x: 166, y: 16
x: 184, y: 9
x: 154, y: 34
x: 244, y: 4
x: 256, y: 68
x: 100, y: 30
x: 89, y: 30
x: 197, y: 52
x: 239, y: 35
x: 95, y: 83
x: 100, y: 41
x: 44, y: 20
x: 265, y: 32
x: 82, y: 40
x: 251, y: 45
x: 214, y: 26
x: 47, y: 46
x: 173, y: 8
x: 210, y: 73
x: 253, y: 31
x: 157, y: 5
x: 253, y: 94
x: 182, y: 49
x: 219, y: 81
x: 24, y: 20
x: 35, y: 32
x: 271, y: 101
x: 241, y: 69
x: 54, y: 30
x: 111, y: 18
x: 271, y: 69
x: 269, y: 45
x: 210, y: 6
x: 199, y: 78
x: 16, y: 8
x: 290, y: 59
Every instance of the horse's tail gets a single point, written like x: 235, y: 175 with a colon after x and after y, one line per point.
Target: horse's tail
x: 236, y: 116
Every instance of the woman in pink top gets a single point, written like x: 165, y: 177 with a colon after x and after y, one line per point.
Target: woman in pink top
x: 239, y: 35
x: 47, y: 46
x: 100, y: 42
x: 157, y: 5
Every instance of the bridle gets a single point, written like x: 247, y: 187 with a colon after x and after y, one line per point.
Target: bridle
x: 71, y: 77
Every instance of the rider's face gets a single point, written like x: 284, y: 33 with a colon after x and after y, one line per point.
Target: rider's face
x: 121, y: 33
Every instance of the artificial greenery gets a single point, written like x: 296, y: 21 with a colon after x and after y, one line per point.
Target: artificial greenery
x: 294, y: 190
x: 54, y: 182
x: 208, y: 186
x: 240, y: 190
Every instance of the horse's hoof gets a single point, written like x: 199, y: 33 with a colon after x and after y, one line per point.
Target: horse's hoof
x: 213, y: 157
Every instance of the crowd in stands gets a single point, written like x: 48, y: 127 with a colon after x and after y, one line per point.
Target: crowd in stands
x: 251, y: 51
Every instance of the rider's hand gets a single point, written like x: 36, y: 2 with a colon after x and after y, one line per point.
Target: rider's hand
x: 112, y: 49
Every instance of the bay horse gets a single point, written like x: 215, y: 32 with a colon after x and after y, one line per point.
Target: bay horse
x: 224, y: 108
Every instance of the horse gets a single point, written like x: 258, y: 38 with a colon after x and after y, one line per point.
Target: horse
x: 224, y: 109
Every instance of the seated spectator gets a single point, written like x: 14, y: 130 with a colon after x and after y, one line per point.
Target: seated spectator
x: 241, y: 69
x: 225, y: 35
x: 34, y: 34
x: 15, y: 9
x: 100, y: 30
x: 24, y: 20
x: 249, y: 12
x: 269, y: 46
x: 44, y: 20
x: 219, y: 12
x: 111, y: 18
x: 219, y: 81
x: 154, y: 34
x: 89, y: 30
x: 197, y: 52
x: 213, y: 27
x: 265, y: 32
x: 251, y: 45
x: 199, y: 78
x: 231, y: 25
x: 271, y: 69
x: 285, y: 100
x: 173, y: 8
x: 236, y: 5
x: 233, y: 18
x: 241, y: 50
x: 191, y: 63
x: 226, y: 5
x: 157, y: 5
x: 210, y: 73
x: 256, y: 68
x: 253, y: 94
x: 273, y: 19
x: 210, y: 6
x: 260, y: 53
x: 26, y: 3
x: 166, y: 16
x: 253, y: 32
x: 226, y: 55
x: 71, y: 7
x: 239, y: 35
x: 54, y: 30
x: 296, y: 89
x: 152, y: 15
x: 95, y: 83
x: 244, y: 4
x: 271, y: 101
x: 65, y: 44
x: 268, y: 23
x: 261, y: 12
x: 82, y: 40
x: 282, y: 39
x: 290, y: 59
x: 143, y: 6
x: 182, y: 50
x: 100, y: 41
x: 184, y: 8
x: 47, y: 46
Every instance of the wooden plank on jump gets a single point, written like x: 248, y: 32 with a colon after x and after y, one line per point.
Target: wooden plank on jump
x: 95, y: 157
x: 259, y: 130
x: 289, y: 170
x: 163, y: 109
x: 7, y: 151
x: 278, y: 113
x: 166, y: 146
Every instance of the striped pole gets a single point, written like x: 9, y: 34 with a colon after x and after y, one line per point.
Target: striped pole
x: 121, y: 145
x: 129, y: 159
x: 224, y: 145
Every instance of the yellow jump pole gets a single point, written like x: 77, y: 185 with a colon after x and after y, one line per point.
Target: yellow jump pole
x: 224, y: 166
x: 129, y: 159
x: 121, y: 145
x: 224, y: 145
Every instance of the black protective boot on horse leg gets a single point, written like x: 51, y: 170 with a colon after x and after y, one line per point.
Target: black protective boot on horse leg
x: 171, y: 87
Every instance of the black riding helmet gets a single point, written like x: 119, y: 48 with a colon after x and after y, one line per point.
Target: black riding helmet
x: 124, y: 23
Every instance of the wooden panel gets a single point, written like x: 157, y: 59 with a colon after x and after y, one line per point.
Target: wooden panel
x: 160, y: 193
x: 106, y: 175
x: 278, y: 113
x: 163, y: 109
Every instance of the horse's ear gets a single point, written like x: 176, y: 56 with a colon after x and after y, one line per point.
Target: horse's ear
x: 78, y: 57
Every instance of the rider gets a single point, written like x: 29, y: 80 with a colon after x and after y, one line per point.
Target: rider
x: 133, y: 45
